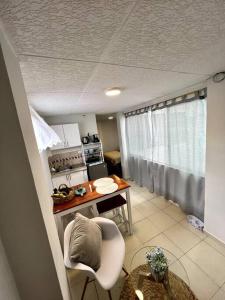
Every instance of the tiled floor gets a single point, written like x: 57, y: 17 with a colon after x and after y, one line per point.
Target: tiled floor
x: 159, y: 222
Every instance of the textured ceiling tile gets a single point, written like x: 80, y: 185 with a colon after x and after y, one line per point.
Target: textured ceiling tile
x: 70, y: 28
x: 186, y: 36
x: 51, y: 75
x: 54, y: 103
x: 108, y: 76
x: 210, y: 60
x: 138, y: 86
x: 137, y: 83
x: 70, y: 107
x: 162, y: 34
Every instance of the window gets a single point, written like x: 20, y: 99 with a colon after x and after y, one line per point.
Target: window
x: 174, y: 136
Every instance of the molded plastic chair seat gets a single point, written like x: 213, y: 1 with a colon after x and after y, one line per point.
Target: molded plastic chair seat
x: 112, y: 255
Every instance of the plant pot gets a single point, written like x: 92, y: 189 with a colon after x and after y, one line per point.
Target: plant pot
x: 158, y: 276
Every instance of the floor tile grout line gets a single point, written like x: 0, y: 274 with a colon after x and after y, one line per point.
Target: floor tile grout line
x: 163, y: 210
x: 198, y: 267
x: 168, y: 226
x: 215, y: 293
x: 214, y: 247
x: 203, y: 271
x: 148, y: 217
x: 176, y: 221
x: 185, y: 252
x: 163, y: 232
x: 140, y: 220
x: 150, y: 200
x: 180, y: 222
x: 169, y: 240
x: 175, y: 243
x: 139, y: 210
x: 142, y: 243
x: 172, y: 216
x: 149, y: 239
x: 204, y: 240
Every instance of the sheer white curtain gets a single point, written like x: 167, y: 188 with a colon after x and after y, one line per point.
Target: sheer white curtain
x: 187, y: 136
x: 166, y: 152
x: 139, y: 136
x: 173, y: 136
x: 45, y: 135
x: 121, y: 125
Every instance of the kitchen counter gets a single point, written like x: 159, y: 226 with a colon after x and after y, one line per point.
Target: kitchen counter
x: 69, y: 171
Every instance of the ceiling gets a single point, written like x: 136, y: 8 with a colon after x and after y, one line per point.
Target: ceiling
x: 70, y: 51
x: 105, y: 117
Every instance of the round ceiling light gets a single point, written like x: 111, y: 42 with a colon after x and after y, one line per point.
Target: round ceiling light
x: 110, y: 117
x: 218, y: 77
x: 112, y: 92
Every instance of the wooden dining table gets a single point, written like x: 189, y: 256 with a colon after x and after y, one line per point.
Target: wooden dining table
x: 90, y: 199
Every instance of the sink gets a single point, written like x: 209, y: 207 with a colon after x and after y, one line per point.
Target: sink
x: 67, y: 168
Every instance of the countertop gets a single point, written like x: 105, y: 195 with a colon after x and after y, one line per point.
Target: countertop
x: 69, y: 171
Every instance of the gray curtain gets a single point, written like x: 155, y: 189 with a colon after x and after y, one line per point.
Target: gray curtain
x: 185, y: 189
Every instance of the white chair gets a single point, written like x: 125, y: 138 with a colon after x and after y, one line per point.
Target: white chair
x: 112, y: 256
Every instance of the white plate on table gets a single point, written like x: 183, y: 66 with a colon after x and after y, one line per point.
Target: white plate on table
x: 103, y: 181
x: 107, y: 189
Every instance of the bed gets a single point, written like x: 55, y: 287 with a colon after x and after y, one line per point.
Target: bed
x: 113, y: 160
x: 113, y: 157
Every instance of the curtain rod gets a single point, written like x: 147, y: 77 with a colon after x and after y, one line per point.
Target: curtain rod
x: 195, y: 95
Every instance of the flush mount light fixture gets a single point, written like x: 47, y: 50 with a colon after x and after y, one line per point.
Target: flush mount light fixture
x: 218, y: 77
x: 110, y: 117
x: 113, y: 92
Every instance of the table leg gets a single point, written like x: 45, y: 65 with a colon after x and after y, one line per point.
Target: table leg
x: 59, y: 224
x: 129, y: 212
x: 94, y: 210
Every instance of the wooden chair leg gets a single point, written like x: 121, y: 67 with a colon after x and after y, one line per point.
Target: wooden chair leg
x: 125, y: 271
x: 110, y: 296
x: 84, y: 289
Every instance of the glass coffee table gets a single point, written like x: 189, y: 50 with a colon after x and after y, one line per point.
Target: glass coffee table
x: 140, y: 285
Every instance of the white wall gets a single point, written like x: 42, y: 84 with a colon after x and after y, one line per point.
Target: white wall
x: 108, y: 134
x: 87, y: 122
x: 8, y: 289
x: 32, y: 209
x: 215, y: 161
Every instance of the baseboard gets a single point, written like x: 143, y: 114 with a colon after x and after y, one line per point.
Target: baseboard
x: 214, y: 237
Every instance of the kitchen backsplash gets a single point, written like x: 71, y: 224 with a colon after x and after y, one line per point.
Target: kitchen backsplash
x: 68, y: 159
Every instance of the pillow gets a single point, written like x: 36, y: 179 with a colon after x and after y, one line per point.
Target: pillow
x: 85, y: 242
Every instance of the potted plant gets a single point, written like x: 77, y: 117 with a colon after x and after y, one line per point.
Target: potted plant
x: 157, y: 263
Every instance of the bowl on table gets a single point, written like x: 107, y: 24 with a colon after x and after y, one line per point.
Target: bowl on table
x: 80, y: 191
